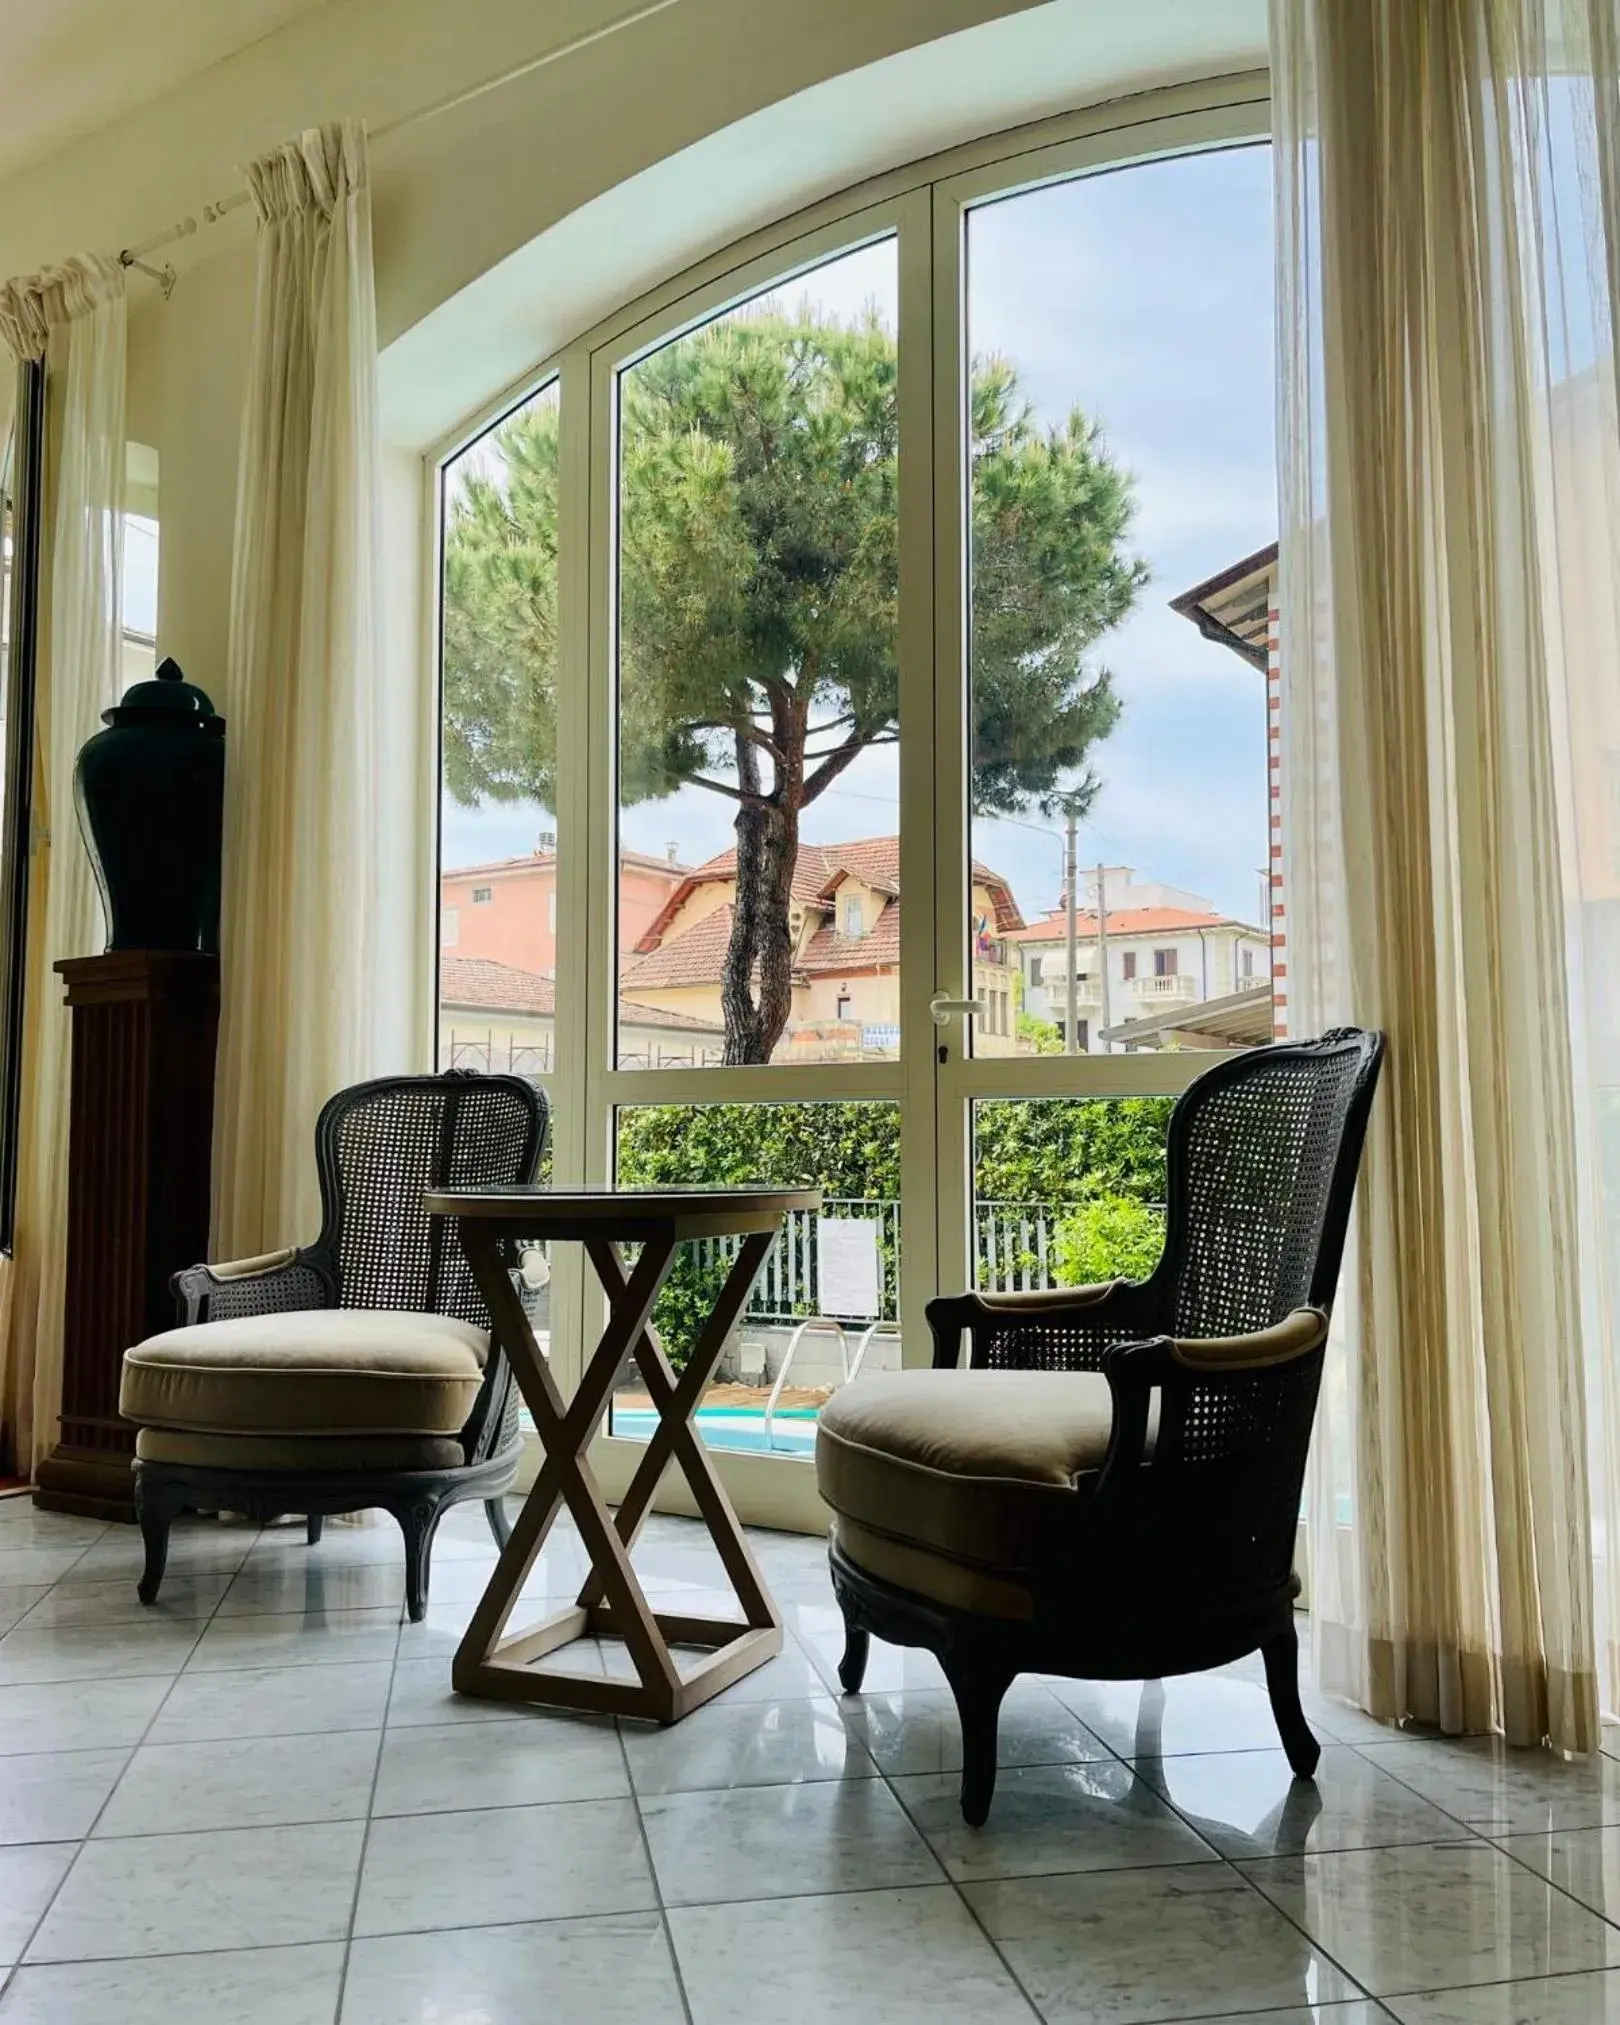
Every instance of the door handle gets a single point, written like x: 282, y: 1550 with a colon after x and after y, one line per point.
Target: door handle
x: 946, y: 1009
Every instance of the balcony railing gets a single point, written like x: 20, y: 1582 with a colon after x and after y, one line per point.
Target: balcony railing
x: 1179, y: 984
x: 1013, y: 1246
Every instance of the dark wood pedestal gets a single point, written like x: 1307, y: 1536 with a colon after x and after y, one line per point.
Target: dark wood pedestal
x: 144, y: 1028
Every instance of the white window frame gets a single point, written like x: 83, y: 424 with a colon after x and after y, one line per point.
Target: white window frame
x: 926, y: 207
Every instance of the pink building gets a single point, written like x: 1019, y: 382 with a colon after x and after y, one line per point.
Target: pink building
x: 506, y: 911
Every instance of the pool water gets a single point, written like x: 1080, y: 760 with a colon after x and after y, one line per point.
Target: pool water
x: 740, y: 1429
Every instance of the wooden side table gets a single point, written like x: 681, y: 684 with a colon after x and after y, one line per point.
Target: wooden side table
x: 612, y: 1602
x: 139, y: 1132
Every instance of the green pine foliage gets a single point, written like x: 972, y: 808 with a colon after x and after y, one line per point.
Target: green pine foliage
x: 758, y: 583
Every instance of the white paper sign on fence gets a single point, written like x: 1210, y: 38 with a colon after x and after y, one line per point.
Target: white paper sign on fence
x: 850, y: 1267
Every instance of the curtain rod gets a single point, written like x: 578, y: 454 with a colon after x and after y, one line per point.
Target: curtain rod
x: 134, y: 256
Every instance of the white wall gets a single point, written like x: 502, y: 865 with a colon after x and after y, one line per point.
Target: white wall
x: 507, y: 226
x: 464, y: 196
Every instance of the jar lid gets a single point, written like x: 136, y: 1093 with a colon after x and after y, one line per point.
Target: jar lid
x: 170, y: 699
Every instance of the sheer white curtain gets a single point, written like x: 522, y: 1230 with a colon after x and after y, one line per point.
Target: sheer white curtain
x: 1447, y: 215
x: 306, y: 999
x: 72, y: 316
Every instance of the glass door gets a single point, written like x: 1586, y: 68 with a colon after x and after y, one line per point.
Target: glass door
x: 861, y: 751
x: 1108, y: 805
x: 763, y: 665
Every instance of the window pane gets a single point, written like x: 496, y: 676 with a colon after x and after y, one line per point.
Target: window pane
x: 1123, y: 565
x: 140, y: 588
x: 757, y: 684
x: 497, y: 893
x: 1067, y: 1190
x: 838, y: 1271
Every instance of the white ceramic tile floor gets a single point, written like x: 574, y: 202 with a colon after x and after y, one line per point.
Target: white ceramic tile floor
x: 261, y: 1800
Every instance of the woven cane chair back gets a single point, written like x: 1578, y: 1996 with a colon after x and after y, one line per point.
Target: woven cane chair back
x: 381, y: 1147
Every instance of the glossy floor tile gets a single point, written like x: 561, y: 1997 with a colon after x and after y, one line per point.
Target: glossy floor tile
x: 273, y: 1702
x: 1432, y: 1916
x: 74, y: 1652
x: 97, y: 1714
x: 192, y: 1894
x: 614, y: 1969
x: 56, y: 1795
x: 918, y: 1731
x: 1500, y: 1791
x: 250, y: 1782
x: 1160, y: 1719
x: 1551, y: 2000
x: 499, y: 1865
x: 778, y: 1841
x: 297, y: 1638
x: 262, y: 1986
x: 1159, y: 1944
x: 908, y: 1957
x: 261, y: 1802
x: 757, y: 1743
x: 1052, y: 1818
x: 1248, y: 1803
x: 30, y: 1876
x: 439, y: 1768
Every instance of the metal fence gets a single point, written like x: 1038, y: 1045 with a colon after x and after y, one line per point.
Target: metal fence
x: 1013, y: 1244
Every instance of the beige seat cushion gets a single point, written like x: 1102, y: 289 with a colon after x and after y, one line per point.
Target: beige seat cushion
x: 954, y: 1583
x: 323, y: 1454
x: 351, y: 1371
x: 979, y: 1470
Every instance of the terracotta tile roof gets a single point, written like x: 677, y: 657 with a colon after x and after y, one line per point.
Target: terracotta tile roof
x: 1123, y: 921
x: 694, y: 957
x: 819, y: 870
x: 476, y: 982
x: 874, y: 859
x: 698, y: 955
x: 545, y: 861
x: 878, y: 949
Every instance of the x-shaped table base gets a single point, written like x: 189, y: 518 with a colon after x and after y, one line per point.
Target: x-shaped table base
x: 612, y: 1603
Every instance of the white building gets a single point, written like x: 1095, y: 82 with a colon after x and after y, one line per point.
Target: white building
x: 1162, y: 950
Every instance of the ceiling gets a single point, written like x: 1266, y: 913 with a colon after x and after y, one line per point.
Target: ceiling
x: 71, y: 66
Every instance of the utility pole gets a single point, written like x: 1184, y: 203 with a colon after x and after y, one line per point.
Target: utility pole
x: 1071, y: 879
x: 1102, y: 952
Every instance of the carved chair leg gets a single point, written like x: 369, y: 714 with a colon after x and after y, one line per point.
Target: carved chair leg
x: 978, y: 1688
x: 852, y: 1667
x: 499, y: 1524
x: 418, y: 1521
x: 1281, y: 1655
x: 314, y: 1526
x: 157, y: 1506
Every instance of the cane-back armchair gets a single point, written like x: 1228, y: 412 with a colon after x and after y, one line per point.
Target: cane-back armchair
x: 1110, y: 1487
x: 358, y: 1371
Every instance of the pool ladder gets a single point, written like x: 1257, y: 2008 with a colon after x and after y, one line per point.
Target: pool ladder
x: 826, y: 1325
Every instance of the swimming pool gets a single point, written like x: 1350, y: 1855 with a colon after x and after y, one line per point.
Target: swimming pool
x: 740, y: 1429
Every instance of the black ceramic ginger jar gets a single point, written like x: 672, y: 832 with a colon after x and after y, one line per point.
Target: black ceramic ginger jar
x: 150, y: 792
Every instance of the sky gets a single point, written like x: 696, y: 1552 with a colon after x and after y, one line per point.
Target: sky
x: 140, y: 573
x: 1143, y: 296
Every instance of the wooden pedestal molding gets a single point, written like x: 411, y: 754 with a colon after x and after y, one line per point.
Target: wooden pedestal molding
x: 144, y: 1027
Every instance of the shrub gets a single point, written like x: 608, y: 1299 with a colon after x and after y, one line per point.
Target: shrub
x: 1112, y: 1237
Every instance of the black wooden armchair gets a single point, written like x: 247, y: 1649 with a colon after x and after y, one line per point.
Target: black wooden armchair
x: 358, y: 1371
x: 1110, y: 1489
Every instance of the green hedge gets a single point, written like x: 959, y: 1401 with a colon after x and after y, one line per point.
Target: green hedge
x: 1105, y: 1155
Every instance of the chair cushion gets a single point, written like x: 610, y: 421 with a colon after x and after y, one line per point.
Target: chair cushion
x: 323, y: 1453
x: 953, y: 1583
x: 982, y: 1467
x: 353, y: 1371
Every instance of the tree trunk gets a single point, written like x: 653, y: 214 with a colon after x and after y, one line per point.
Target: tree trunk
x: 756, y: 984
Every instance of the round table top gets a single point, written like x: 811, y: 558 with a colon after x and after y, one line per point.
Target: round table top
x: 618, y: 1205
